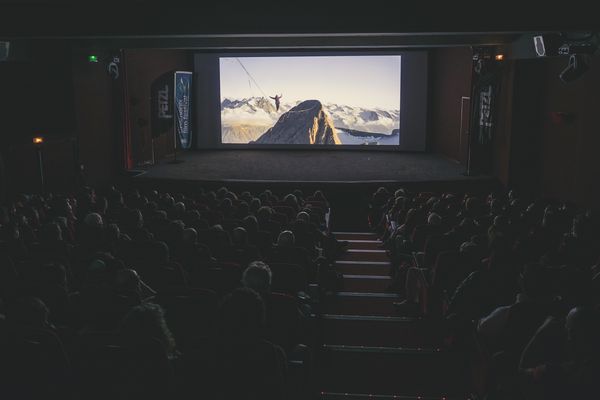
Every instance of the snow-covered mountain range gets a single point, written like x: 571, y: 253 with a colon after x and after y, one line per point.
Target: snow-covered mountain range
x: 244, y: 120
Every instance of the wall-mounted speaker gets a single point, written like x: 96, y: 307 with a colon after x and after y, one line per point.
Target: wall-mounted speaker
x: 540, y: 48
x: 546, y: 45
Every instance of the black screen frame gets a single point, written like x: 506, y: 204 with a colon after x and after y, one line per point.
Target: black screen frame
x: 414, y: 73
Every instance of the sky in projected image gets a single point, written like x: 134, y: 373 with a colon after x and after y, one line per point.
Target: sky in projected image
x: 361, y: 95
x: 359, y: 81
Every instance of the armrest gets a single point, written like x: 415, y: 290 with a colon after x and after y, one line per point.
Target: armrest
x: 299, y: 355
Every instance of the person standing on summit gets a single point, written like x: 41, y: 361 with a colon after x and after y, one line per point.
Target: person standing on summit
x: 277, y: 98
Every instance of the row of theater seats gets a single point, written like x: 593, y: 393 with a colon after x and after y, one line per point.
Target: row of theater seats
x: 514, y: 283
x: 135, y: 295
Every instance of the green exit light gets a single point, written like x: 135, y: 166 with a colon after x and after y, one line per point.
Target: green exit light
x: 92, y: 58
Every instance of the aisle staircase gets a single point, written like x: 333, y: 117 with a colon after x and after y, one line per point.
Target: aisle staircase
x: 368, y: 351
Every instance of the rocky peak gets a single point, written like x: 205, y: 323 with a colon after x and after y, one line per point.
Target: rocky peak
x: 306, y: 123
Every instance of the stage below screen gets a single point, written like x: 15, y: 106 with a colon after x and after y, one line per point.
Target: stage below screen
x: 308, y: 166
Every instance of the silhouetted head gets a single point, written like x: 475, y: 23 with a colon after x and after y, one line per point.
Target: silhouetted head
x: 258, y: 277
x: 219, y: 236
x: 550, y: 218
x: 496, y: 207
x: 251, y: 224
x: 62, y: 207
x: 264, y: 214
x: 54, y: 274
x: 381, y: 190
x: 239, y: 237
x: 28, y: 311
x: 132, y: 219
x: 291, y: 201
x: 264, y: 199
x: 255, y: 205
x: 473, y: 206
x: 319, y: 196
x: 190, y: 236
x: 179, y: 208
x: 497, y: 231
x: 94, y: 220
x: 33, y: 217
x: 246, y: 196
x: 434, y: 219
x: 221, y: 192
x: 226, y: 205
x: 582, y: 226
x: 100, y: 205
x: 399, y: 193
x: 303, y: 216
x: 298, y: 193
x: 128, y: 281
x: 410, y: 217
x: 286, y: 238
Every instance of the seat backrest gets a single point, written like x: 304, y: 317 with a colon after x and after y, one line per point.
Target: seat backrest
x: 33, y: 364
x: 190, y: 314
x: 254, y: 370
x: 203, y: 236
x: 143, y: 254
x: 281, y: 218
x: 289, y: 255
x: 109, y: 366
x: 444, y: 270
x: 523, y: 321
x: 283, y: 320
x: 263, y: 241
x: 434, y: 245
x: 222, y: 279
x: 288, y: 278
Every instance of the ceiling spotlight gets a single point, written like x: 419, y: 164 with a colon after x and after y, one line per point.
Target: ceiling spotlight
x: 578, y: 65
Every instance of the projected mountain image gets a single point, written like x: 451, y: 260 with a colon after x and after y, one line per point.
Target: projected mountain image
x: 246, y: 120
x: 315, y: 112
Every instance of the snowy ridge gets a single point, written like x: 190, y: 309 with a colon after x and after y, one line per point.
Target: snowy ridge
x: 244, y: 120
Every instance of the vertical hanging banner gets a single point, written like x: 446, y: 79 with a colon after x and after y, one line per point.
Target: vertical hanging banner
x: 183, y: 120
x: 485, y: 125
x: 162, y: 104
x: 486, y: 85
x: 487, y: 77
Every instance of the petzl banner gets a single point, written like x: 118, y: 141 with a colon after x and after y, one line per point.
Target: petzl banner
x: 162, y: 108
x: 183, y: 120
x: 486, y: 106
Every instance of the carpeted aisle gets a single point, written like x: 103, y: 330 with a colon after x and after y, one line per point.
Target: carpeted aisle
x: 370, y: 352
